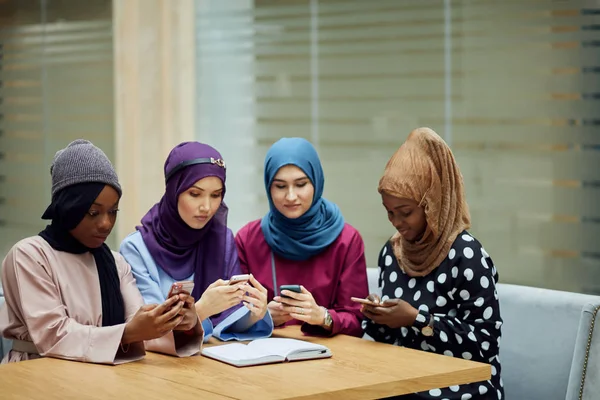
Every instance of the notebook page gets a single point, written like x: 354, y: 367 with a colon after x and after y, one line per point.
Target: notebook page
x: 235, y: 351
x: 283, y: 347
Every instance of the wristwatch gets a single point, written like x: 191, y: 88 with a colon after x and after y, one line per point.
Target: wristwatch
x: 427, y: 330
x: 327, y: 321
x: 424, y: 323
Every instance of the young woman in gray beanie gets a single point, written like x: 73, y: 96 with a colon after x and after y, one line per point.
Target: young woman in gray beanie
x: 67, y: 294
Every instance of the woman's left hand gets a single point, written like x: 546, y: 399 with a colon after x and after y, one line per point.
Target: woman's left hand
x: 190, y: 317
x: 394, y: 313
x: 301, y: 306
x: 255, y: 299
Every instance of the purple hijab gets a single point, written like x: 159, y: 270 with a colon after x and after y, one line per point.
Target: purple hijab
x: 178, y: 249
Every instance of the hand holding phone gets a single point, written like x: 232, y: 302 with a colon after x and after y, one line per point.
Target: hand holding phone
x: 152, y: 321
x: 279, y: 316
x: 218, y: 297
x: 303, y: 307
x: 189, y: 314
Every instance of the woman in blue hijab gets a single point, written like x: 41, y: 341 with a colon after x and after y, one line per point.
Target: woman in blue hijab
x: 304, y: 240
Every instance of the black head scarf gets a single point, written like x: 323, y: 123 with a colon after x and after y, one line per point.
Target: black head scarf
x: 67, y: 210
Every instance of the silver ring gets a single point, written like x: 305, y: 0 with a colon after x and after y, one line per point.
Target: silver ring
x: 301, y: 310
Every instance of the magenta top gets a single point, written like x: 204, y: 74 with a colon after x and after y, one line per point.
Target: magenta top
x: 332, y: 276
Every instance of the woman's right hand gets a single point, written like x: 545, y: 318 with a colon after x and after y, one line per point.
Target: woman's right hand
x: 218, y: 297
x: 188, y: 312
x: 279, y: 316
x: 152, y: 321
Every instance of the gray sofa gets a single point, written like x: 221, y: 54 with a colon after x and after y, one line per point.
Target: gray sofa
x: 1, y: 339
x: 550, y: 346
x: 5, y: 344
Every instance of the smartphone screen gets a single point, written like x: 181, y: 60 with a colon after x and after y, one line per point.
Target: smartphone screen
x: 291, y: 288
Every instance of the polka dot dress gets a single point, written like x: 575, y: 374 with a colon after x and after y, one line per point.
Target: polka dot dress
x: 461, y: 297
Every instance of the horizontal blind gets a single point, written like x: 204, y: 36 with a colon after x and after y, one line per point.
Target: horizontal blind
x: 525, y: 123
x: 56, y: 86
x: 227, y: 101
x: 333, y: 72
x: 513, y: 87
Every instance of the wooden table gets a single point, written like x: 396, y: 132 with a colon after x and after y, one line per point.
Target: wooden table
x: 359, y: 369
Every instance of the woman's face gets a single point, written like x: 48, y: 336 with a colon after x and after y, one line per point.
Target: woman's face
x: 406, y: 215
x: 99, y: 221
x: 292, y: 192
x: 198, y: 204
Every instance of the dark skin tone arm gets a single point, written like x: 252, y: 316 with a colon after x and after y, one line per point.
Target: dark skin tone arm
x: 394, y: 313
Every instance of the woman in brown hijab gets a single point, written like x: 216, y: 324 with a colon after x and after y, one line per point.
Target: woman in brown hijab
x: 438, y: 284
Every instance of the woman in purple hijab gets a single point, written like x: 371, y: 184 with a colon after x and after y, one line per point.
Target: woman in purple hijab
x: 184, y: 237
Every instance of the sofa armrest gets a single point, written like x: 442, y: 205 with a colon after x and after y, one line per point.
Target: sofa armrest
x: 584, y: 378
x: 5, y: 344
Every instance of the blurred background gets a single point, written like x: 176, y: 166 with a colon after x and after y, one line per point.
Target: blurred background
x: 512, y: 86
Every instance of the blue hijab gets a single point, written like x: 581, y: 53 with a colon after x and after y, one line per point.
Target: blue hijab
x: 306, y: 236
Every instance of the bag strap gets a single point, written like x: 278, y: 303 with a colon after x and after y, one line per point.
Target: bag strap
x: 275, y: 288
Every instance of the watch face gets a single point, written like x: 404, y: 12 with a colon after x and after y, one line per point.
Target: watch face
x: 427, y: 331
x: 328, y: 320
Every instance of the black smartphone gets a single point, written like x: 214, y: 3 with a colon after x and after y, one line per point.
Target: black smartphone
x: 291, y: 288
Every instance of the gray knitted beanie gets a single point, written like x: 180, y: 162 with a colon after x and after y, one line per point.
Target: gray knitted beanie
x: 82, y: 162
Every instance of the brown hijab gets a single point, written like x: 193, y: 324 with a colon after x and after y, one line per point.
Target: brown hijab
x: 423, y: 169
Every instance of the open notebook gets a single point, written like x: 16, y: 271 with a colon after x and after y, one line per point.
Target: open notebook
x: 266, y: 351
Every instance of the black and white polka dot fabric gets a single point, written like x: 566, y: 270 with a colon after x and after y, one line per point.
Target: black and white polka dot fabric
x: 461, y: 295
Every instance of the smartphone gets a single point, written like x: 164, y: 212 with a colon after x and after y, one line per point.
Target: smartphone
x: 291, y: 288
x: 235, y: 279
x: 181, y: 287
x: 366, y: 302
